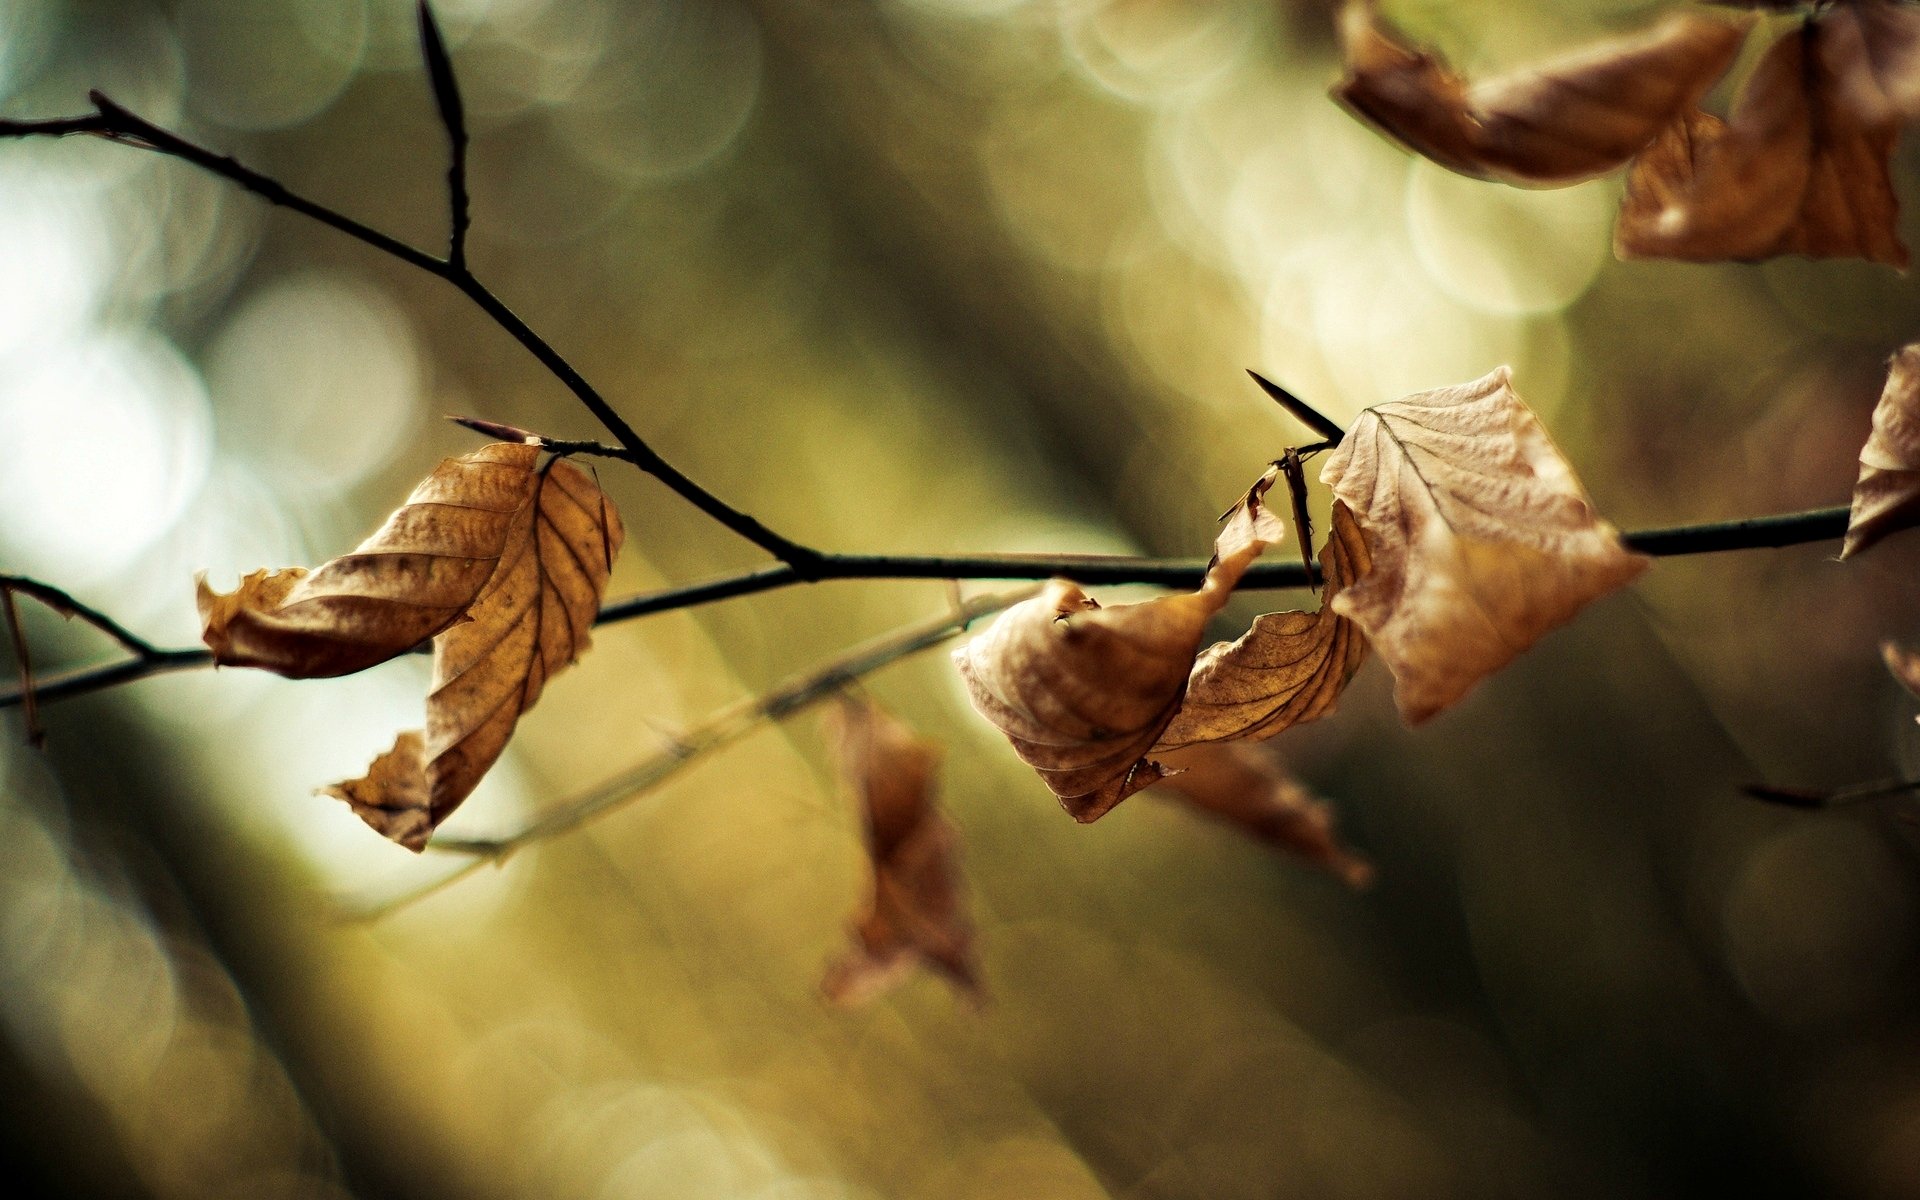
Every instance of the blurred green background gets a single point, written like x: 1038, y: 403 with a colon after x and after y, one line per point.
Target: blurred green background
x: 918, y: 275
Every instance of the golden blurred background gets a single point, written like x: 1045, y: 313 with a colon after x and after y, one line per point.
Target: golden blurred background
x: 917, y: 275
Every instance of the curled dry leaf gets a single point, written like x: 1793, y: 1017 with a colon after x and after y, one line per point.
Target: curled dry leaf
x: 916, y: 911
x: 1553, y: 125
x: 1082, y: 691
x: 1481, y: 538
x: 1904, y: 665
x: 1886, y: 499
x: 1287, y: 669
x: 530, y: 620
x: 1248, y: 789
x: 414, y: 577
x: 1799, y: 167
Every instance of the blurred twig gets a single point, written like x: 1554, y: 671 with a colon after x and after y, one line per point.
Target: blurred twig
x: 721, y: 729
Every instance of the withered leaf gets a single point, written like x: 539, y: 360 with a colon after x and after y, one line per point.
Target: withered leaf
x: 414, y: 577
x: 1481, y: 538
x: 1886, y: 498
x: 1799, y: 167
x: 531, y: 620
x: 1082, y: 691
x: 1553, y: 125
x: 1904, y: 665
x: 1249, y: 789
x: 1288, y: 668
x: 916, y: 911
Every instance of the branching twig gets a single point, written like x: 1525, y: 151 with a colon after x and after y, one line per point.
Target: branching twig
x: 1786, y: 529
x: 722, y: 728
x: 446, y: 97
x: 36, y: 734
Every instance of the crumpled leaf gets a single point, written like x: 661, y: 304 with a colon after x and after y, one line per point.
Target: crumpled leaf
x: 1082, y: 691
x: 1886, y: 498
x: 1800, y: 166
x: 1481, y: 538
x: 1250, y: 790
x: 530, y: 620
x: 916, y: 911
x: 1288, y: 668
x: 412, y: 578
x: 1553, y: 125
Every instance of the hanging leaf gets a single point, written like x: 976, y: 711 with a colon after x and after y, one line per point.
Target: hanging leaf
x: 1249, y: 789
x: 1799, y: 167
x: 1886, y: 499
x: 531, y: 620
x: 1288, y: 668
x: 915, y: 912
x: 1481, y: 538
x: 415, y: 576
x: 1904, y: 665
x: 1082, y: 691
x: 1554, y: 125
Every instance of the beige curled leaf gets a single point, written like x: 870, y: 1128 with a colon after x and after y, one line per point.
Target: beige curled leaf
x: 531, y: 620
x: 1481, y: 538
x: 916, y: 911
x: 1287, y: 669
x: 411, y: 579
x: 1800, y: 166
x: 1904, y: 665
x: 1249, y: 789
x: 1553, y: 125
x: 1886, y: 499
x: 1082, y: 691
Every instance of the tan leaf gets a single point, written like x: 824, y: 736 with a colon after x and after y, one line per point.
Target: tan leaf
x: 531, y: 620
x: 1481, y: 538
x: 1287, y: 669
x: 1553, y: 125
x: 1886, y: 499
x: 1904, y: 665
x: 1249, y: 789
x: 412, y: 578
x: 1799, y: 167
x: 916, y: 912
x: 1082, y: 691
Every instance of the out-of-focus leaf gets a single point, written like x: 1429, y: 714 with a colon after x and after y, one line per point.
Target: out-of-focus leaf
x: 1082, y: 691
x: 1481, y: 538
x: 415, y: 576
x: 1552, y: 125
x: 531, y: 620
x: 1886, y: 498
x: 1799, y: 167
x: 916, y: 912
x: 1248, y: 789
x: 1904, y: 665
x: 1288, y: 668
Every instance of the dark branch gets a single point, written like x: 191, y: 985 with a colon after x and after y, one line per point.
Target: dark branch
x: 1787, y: 529
x: 446, y: 95
x: 1302, y: 412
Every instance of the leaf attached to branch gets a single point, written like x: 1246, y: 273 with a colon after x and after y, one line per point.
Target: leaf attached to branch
x: 916, y: 911
x: 1287, y: 669
x: 1886, y: 499
x: 416, y: 576
x: 1249, y: 789
x: 531, y: 620
x: 1082, y: 691
x: 1800, y: 166
x: 1481, y: 538
x: 1554, y: 125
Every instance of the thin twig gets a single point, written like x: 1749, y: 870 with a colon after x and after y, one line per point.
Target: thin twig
x: 36, y: 734
x: 446, y: 97
x: 1794, y: 797
x: 1302, y: 412
x: 1786, y: 529
x: 721, y: 729
x: 64, y: 604
x: 1296, y: 477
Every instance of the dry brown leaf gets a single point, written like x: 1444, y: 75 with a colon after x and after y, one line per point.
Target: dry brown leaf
x: 1799, y: 167
x: 1886, y: 499
x: 1481, y: 538
x: 916, y: 912
x: 412, y: 578
x: 1287, y: 669
x: 1553, y: 125
x: 531, y: 620
x: 1249, y: 789
x: 1082, y: 691
x: 1904, y: 665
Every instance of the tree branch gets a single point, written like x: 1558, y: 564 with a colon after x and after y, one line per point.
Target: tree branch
x: 1785, y: 529
x: 722, y: 728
